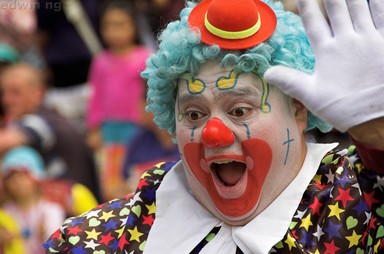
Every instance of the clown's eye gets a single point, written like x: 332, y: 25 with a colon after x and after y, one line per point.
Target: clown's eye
x: 239, y: 112
x: 194, y: 115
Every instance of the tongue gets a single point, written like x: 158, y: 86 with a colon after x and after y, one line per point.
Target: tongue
x: 230, y: 173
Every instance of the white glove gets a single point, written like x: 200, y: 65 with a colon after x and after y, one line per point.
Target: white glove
x: 347, y: 86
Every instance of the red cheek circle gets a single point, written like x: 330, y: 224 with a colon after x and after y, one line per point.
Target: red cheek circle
x: 193, y: 154
x: 259, y: 151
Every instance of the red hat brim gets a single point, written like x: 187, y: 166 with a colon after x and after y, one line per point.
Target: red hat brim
x: 268, y: 25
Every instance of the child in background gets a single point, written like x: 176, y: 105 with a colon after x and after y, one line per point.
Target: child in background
x: 22, y: 169
x: 74, y: 197
x: 117, y: 93
x: 11, y: 241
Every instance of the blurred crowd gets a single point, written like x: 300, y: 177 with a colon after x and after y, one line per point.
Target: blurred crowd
x: 73, y: 127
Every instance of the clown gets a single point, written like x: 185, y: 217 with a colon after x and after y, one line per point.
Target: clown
x: 230, y: 144
x: 237, y: 85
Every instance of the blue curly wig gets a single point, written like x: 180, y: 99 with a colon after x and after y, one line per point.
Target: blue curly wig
x: 180, y: 51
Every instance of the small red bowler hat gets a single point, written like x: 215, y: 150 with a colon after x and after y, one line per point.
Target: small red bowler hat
x: 233, y: 24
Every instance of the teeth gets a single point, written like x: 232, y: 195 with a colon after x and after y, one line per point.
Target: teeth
x: 222, y: 162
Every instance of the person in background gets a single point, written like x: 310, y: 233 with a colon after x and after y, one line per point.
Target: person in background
x: 66, y: 57
x: 11, y: 240
x: 238, y: 83
x: 148, y: 147
x: 159, y: 12
x: 29, y: 122
x: 22, y: 169
x: 18, y: 27
x: 74, y: 197
x: 8, y: 55
x: 117, y: 92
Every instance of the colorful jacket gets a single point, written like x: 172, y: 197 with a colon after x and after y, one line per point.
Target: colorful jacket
x: 341, y: 211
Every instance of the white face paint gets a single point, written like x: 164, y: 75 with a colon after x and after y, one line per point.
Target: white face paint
x: 238, y: 137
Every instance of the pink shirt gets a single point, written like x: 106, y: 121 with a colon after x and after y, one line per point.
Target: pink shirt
x: 117, y: 88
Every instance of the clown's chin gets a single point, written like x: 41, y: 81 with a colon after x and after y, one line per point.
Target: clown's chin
x: 230, y: 178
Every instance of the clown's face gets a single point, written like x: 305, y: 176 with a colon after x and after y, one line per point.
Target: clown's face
x: 240, y: 140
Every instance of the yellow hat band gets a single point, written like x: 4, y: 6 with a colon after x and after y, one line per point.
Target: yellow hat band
x: 232, y: 35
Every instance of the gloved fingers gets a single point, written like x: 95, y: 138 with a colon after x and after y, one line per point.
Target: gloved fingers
x: 315, y: 23
x: 339, y: 18
x: 377, y: 12
x: 294, y: 83
x: 360, y: 16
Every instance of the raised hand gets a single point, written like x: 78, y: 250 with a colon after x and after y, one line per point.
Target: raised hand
x: 347, y: 86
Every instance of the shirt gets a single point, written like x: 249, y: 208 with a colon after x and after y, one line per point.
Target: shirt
x: 117, y: 89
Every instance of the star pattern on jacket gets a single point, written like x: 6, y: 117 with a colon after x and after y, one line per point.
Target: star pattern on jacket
x: 115, y: 226
x: 340, y: 212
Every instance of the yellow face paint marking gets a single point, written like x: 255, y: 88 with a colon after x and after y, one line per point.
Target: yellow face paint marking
x: 197, y: 86
x: 225, y: 83
x: 264, y: 105
x: 180, y: 116
x: 194, y: 86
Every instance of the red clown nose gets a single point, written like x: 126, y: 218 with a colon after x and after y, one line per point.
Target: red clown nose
x: 216, y: 135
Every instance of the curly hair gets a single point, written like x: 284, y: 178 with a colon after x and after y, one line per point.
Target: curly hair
x: 180, y: 51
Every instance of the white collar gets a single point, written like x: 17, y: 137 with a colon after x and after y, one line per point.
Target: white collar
x: 182, y: 222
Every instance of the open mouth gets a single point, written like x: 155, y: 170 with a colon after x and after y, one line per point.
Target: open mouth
x: 229, y: 179
x: 228, y: 172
